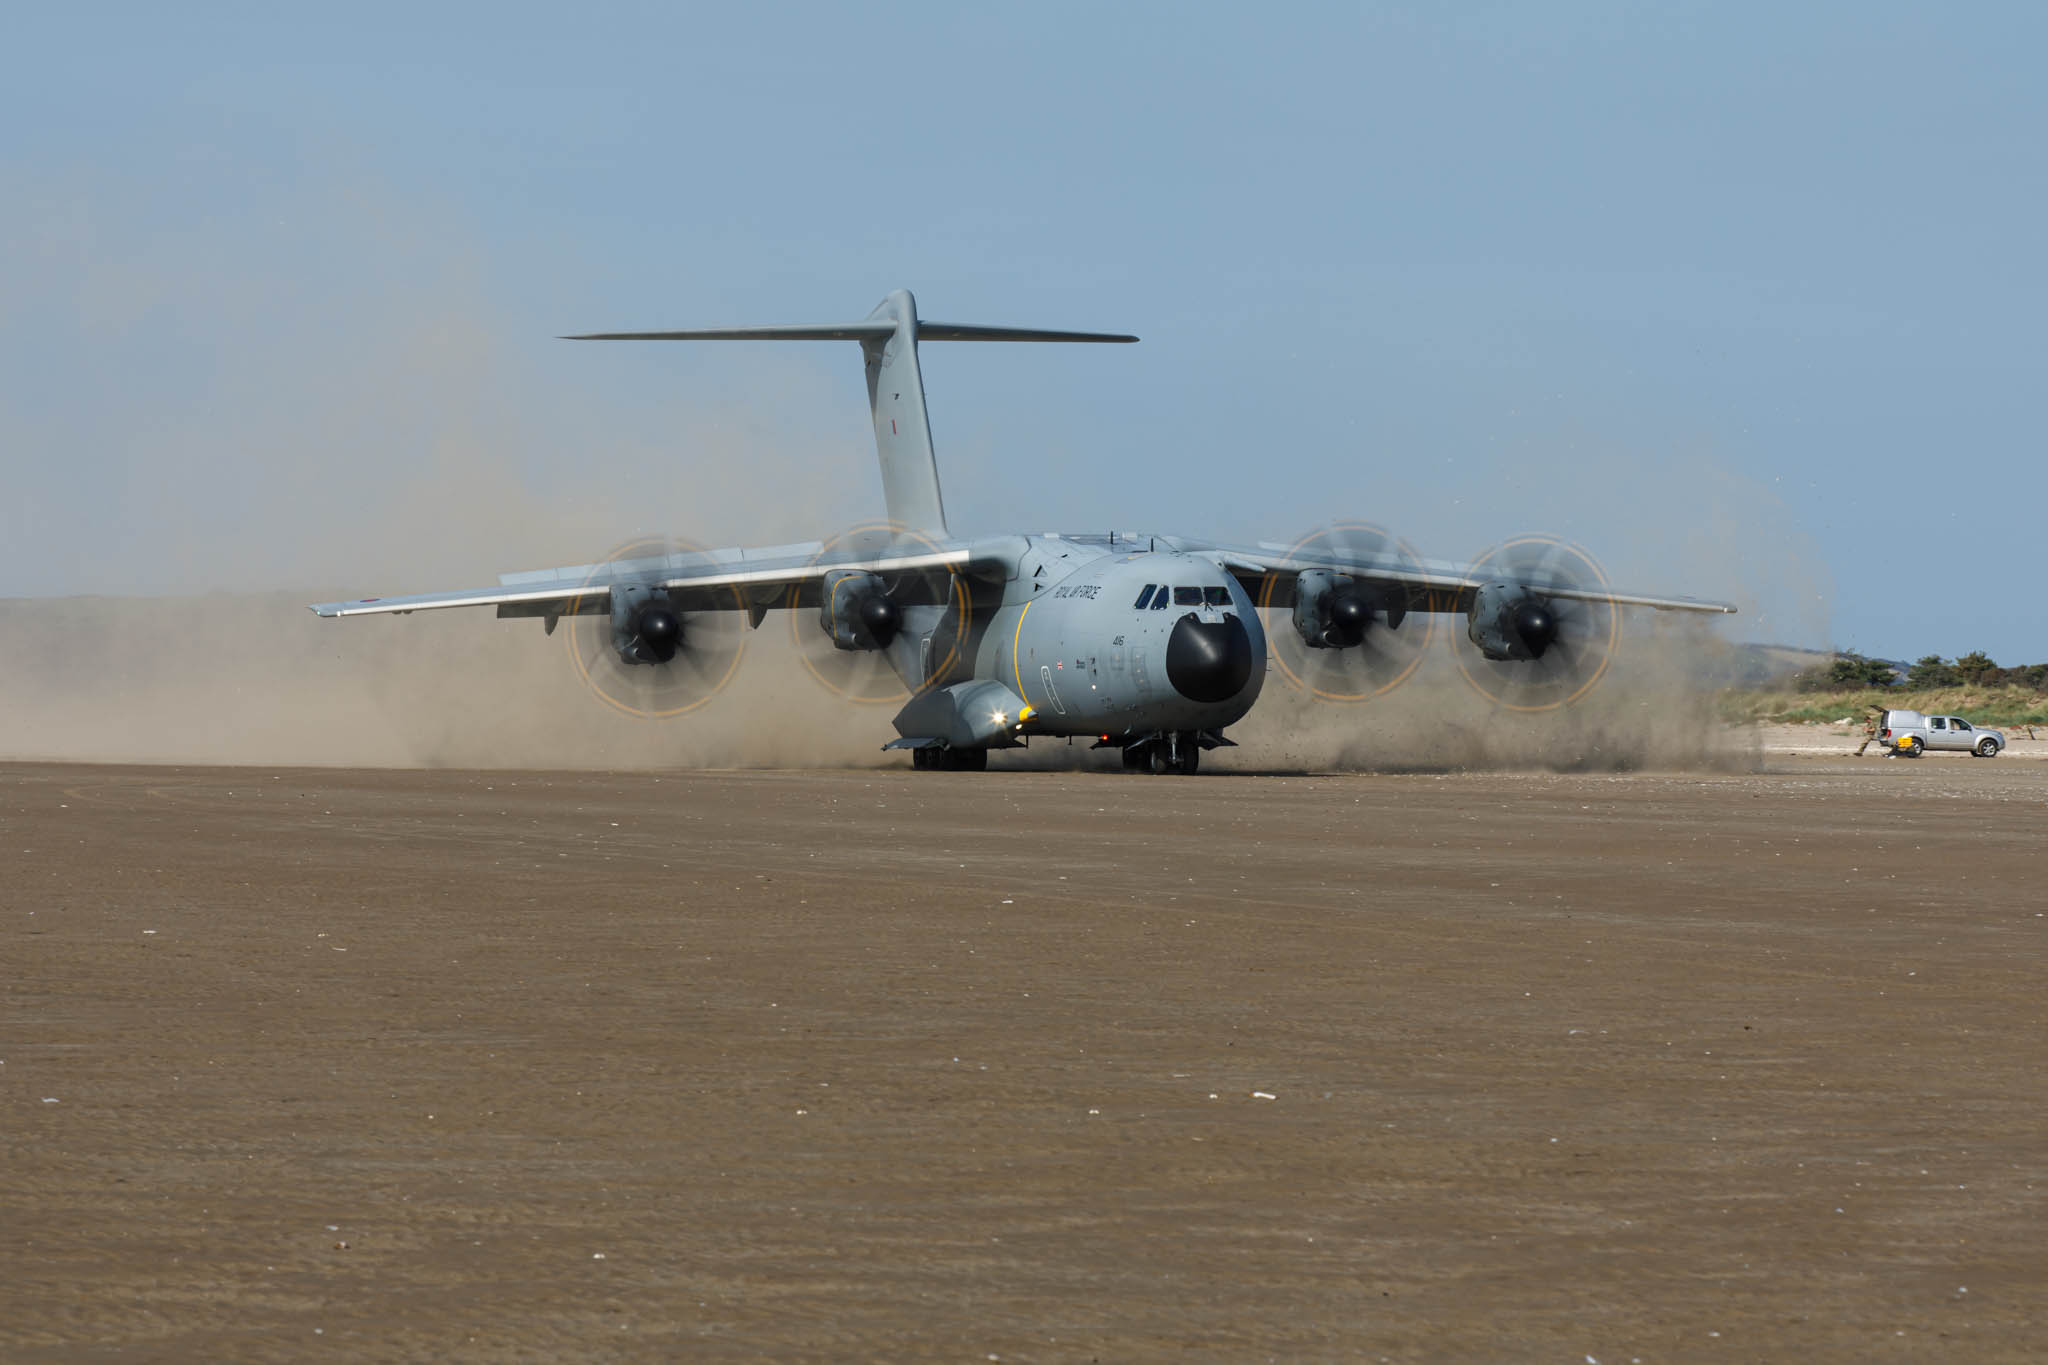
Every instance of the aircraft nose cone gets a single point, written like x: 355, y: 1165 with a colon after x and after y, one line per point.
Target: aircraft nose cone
x: 1208, y: 662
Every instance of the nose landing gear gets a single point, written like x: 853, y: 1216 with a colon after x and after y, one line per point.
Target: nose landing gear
x: 1174, y: 751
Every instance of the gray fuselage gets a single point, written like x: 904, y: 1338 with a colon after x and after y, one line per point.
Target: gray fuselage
x: 1096, y: 641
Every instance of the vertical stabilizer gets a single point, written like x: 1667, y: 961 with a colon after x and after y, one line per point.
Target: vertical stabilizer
x: 903, y: 429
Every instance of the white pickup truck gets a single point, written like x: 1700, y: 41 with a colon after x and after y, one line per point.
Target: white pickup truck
x: 1910, y: 734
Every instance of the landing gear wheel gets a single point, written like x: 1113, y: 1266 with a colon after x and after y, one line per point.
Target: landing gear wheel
x: 920, y: 759
x: 968, y: 760
x: 1180, y: 752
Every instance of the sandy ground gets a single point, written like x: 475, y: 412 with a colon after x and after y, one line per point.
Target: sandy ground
x: 1029, y: 1066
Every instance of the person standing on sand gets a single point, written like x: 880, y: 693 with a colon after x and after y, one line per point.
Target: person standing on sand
x: 1873, y: 720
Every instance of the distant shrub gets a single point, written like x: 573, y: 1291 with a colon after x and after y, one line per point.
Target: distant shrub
x: 1846, y: 672
x: 1932, y: 671
x: 1976, y: 668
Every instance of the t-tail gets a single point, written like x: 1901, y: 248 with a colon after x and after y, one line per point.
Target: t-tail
x: 888, y: 340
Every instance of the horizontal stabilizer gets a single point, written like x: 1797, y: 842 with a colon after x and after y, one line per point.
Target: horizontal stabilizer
x: 873, y: 330
x: 968, y: 331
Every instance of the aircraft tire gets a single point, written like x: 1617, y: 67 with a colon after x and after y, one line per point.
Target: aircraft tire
x: 968, y: 760
x: 1164, y: 759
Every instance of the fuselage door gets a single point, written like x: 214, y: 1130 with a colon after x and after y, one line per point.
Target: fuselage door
x: 1052, y: 693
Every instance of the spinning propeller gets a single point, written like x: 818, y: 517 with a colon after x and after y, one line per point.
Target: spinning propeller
x: 1348, y: 638
x: 1529, y: 649
x: 647, y: 651
x: 848, y: 624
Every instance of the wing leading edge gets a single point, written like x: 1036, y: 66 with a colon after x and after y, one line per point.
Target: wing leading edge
x: 1267, y: 572
x: 715, y: 579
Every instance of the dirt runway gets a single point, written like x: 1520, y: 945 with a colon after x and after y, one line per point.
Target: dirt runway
x: 1029, y: 1066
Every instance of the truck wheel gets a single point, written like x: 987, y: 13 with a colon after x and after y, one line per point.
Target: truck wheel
x: 1912, y: 747
x: 1987, y: 748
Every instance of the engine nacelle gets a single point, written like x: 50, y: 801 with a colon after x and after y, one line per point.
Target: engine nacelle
x: 1334, y: 610
x: 855, y: 610
x: 1510, y: 624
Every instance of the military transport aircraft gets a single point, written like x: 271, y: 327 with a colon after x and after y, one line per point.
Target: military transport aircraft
x: 1152, y: 644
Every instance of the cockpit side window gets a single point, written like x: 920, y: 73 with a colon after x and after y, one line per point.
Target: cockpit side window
x: 1144, y: 598
x: 1161, y: 599
x: 1187, y: 597
x: 1216, y: 597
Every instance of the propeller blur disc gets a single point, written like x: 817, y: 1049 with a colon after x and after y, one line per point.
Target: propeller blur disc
x: 686, y: 647
x: 865, y: 676
x: 1575, y: 637
x: 1389, y: 647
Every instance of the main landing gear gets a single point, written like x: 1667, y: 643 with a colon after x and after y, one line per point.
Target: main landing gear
x: 949, y: 760
x: 1176, y: 751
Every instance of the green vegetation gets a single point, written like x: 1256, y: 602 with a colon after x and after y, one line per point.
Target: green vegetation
x: 1973, y: 687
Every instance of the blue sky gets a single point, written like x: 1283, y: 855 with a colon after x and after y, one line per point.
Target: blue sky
x: 1746, y: 298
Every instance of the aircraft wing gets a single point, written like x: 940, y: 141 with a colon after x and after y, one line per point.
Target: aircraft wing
x: 699, y: 580
x: 1267, y: 572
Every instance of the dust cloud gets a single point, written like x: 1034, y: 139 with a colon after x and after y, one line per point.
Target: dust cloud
x: 243, y: 678
x: 240, y: 679
x: 1653, y: 710
x: 258, y: 679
